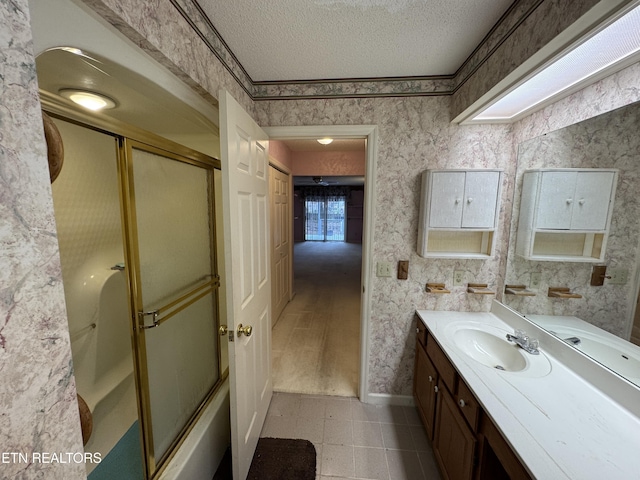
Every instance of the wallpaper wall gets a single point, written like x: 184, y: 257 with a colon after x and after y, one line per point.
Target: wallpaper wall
x: 38, y: 407
x: 414, y: 134
x: 329, y: 163
x: 39, y: 411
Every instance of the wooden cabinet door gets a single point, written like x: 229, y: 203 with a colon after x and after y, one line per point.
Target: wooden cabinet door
x: 425, y: 381
x: 480, y: 199
x: 454, y: 443
x: 447, y: 196
x: 591, y: 200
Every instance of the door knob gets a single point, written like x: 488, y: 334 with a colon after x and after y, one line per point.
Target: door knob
x: 244, y: 330
x: 223, y: 330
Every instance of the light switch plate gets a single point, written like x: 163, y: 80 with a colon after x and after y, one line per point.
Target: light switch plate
x: 619, y: 276
x: 383, y: 269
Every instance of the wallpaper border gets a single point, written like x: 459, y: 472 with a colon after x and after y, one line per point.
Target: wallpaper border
x: 434, y: 85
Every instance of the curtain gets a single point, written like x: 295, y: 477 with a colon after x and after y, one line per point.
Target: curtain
x: 325, y: 213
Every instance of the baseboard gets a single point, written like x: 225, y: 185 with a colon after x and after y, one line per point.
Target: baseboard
x: 388, y: 399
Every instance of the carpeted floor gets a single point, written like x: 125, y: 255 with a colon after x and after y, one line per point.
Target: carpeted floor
x: 316, y: 341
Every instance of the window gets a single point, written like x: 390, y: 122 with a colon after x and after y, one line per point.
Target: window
x: 325, y: 218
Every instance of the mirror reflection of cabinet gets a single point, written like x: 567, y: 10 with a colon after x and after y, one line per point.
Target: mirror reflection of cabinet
x: 565, y: 214
x: 458, y: 213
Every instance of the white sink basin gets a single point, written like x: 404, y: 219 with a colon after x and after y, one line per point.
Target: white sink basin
x: 490, y: 350
x: 488, y: 345
x: 609, y: 353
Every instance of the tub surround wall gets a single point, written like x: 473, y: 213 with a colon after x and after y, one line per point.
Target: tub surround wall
x: 38, y: 395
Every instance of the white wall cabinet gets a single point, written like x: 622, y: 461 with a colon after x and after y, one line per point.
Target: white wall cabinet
x: 565, y: 214
x: 458, y: 213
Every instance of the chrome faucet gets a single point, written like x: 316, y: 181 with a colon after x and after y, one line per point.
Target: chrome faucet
x: 520, y: 338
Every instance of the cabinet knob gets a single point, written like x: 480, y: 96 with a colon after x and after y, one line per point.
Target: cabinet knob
x: 458, y: 200
x: 430, y: 379
x: 569, y: 201
x: 469, y: 200
x: 461, y: 402
x: 417, y: 330
x: 435, y: 389
x: 581, y: 201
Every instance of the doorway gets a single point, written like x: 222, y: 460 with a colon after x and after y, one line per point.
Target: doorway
x: 329, y: 261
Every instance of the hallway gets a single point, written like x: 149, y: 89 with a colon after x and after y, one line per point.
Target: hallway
x: 316, y: 341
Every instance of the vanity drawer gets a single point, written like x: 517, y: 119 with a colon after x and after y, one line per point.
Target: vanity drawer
x: 441, y: 362
x: 421, y: 332
x: 468, y: 404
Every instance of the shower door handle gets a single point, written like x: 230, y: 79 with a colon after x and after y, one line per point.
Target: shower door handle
x: 154, y: 314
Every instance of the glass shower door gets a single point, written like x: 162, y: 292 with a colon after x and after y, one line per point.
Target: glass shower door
x: 175, y: 285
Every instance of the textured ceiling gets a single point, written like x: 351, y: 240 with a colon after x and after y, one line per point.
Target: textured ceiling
x: 334, y: 39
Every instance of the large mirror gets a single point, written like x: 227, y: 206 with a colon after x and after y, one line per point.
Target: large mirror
x: 601, y: 321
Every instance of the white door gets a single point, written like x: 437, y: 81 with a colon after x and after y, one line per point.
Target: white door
x: 245, y: 167
x: 280, y: 241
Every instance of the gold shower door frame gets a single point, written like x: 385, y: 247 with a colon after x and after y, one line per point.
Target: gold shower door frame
x: 129, y: 137
x: 143, y: 322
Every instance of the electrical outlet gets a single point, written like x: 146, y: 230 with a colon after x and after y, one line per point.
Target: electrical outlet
x: 383, y: 269
x: 619, y: 276
x: 458, y: 278
x: 536, y: 279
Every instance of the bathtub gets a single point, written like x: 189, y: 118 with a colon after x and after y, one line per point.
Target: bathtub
x: 102, y: 354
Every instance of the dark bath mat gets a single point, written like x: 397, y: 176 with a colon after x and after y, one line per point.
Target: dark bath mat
x: 283, y: 459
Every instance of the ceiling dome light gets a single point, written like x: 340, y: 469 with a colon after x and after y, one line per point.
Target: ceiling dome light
x: 325, y: 141
x: 91, y: 100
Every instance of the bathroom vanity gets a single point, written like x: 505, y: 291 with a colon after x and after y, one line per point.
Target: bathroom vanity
x: 491, y: 410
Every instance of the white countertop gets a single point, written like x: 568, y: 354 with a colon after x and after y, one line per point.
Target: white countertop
x: 560, y: 425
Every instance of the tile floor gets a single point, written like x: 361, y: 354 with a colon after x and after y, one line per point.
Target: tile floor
x: 354, y: 440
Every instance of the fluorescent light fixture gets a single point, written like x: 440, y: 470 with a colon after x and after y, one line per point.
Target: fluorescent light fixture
x: 613, y: 45
x: 325, y: 141
x: 90, y: 100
